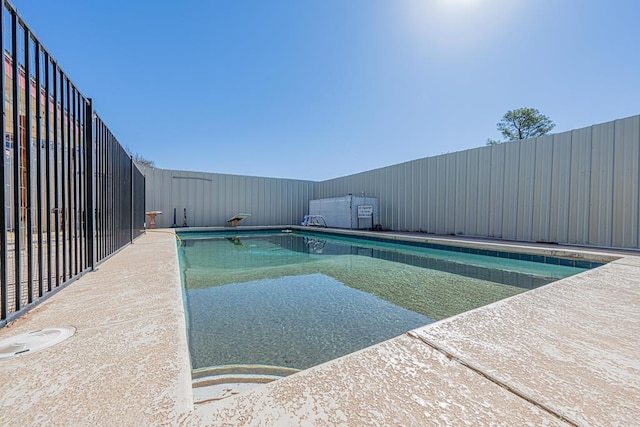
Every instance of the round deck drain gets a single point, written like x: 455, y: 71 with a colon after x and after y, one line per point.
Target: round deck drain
x: 33, y: 341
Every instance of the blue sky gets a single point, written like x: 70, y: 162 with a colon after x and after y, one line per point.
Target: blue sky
x: 315, y: 90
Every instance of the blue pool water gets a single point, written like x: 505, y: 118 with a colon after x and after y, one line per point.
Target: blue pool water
x: 296, y: 321
x: 296, y: 300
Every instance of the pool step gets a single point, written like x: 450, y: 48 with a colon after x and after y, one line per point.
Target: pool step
x: 280, y: 371
x: 219, y: 382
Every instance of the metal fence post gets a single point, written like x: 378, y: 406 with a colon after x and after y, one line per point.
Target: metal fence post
x: 4, y: 247
x: 131, y: 166
x: 90, y: 186
x: 17, y: 160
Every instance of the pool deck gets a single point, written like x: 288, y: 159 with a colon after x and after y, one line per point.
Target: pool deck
x: 563, y: 354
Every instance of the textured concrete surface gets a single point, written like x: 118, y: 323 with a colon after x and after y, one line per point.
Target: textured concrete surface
x: 563, y: 354
x: 127, y: 363
x: 571, y: 346
x: 399, y: 382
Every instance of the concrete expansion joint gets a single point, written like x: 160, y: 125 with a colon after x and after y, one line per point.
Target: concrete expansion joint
x: 491, y: 378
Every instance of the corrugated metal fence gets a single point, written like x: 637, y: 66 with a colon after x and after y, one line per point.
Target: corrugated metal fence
x: 577, y: 187
x: 210, y: 199
x: 72, y: 196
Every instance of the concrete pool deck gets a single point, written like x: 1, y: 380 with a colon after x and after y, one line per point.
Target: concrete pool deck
x: 563, y: 354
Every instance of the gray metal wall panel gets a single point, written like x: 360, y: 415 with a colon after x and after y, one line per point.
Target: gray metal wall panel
x: 497, y: 190
x: 277, y: 200
x: 625, y: 185
x: 392, y: 183
x: 580, y: 185
x: 412, y: 182
x: 221, y: 199
x: 272, y: 207
x: 526, y: 189
x: 449, y: 185
x: 406, y: 195
x: 412, y: 177
x: 440, y: 190
x: 232, y: 206
x: 253, y: 195
x: 560, y: 176
x: 290, y: 204
x: 601, y: 208
x: 472, y: 192
x: 385, y: 197
x: 460, y: 203
x: 510, y: 200
x: 388, y: 187
x: 421, y: 190
x: 418, y: 195
x: 483, y: 216
x: 432, y: 195
x: 542, y: 191
x: 397, y: 189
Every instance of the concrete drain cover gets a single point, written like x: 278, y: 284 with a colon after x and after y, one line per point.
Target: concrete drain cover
x: 33, y: 341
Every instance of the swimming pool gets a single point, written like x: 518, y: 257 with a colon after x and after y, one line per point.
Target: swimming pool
x: 295, y: 300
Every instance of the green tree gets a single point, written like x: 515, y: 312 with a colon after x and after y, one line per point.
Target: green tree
x: 523, y: 123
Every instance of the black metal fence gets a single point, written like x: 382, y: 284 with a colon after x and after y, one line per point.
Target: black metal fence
x: 72, y: 195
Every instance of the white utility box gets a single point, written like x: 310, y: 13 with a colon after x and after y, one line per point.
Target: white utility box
x: 349, y: 211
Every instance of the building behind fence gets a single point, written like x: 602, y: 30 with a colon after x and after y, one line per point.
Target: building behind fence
x: 72, y: 195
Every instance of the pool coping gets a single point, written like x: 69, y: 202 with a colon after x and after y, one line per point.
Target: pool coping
x: 105, y: 374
